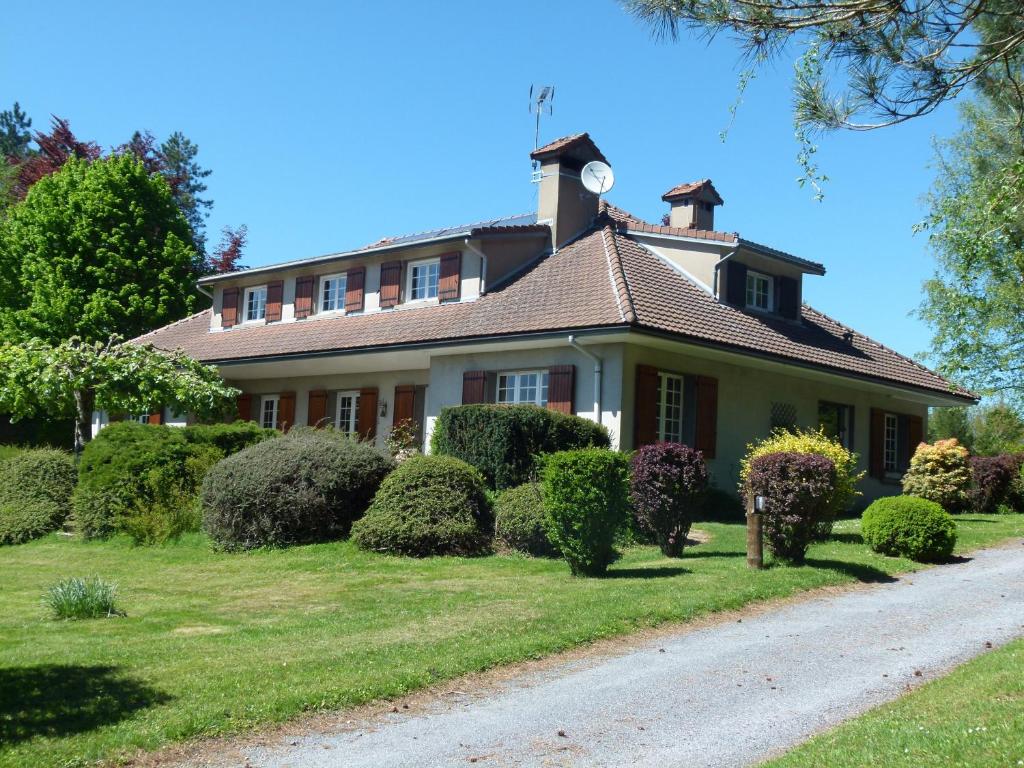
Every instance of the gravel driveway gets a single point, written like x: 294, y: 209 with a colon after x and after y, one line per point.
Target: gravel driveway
x: 726, y: 695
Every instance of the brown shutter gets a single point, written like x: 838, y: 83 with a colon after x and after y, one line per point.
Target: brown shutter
x: 390, y: 283
x: 229, y: 308
x: 244, y: 407
x: 405, y: 401
x: 303, y: 296
x: 366, y: 420
x: 354, y: 280
x: 877, y: 441
x: 706, y: 435
x: 317, y: 410
x: 561, y: 387
x: 473, y: 383
x: 156, y: 417
x: 645, y: 406
x: 915, y: 434
x: 449, y: 283
x: 286, y: 411
x: 275, y: 296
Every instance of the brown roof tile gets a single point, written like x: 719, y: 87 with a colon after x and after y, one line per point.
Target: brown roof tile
x: 565, y: 144
x: 656, y: 229
x: 692, y: 189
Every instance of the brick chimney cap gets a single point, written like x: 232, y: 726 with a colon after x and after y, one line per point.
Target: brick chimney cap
x: 701, y: 190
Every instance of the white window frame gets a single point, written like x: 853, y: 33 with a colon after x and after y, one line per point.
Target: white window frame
x: 340, y: 281
x: 749, y: 291
x: 664, y: 406
x: 140, y: 418
x: 351, y: 426
x: 410, y: 273
x: 260, y: 306
x: 517, y: 389
x: 890, y: 444
x: 274, y: 401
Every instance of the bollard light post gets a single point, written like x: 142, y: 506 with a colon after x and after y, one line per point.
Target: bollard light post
x: 755, y: 538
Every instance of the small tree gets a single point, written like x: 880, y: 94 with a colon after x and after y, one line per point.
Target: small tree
x: 75, y: 378
x: 667, y: 482
x: 940, y: 472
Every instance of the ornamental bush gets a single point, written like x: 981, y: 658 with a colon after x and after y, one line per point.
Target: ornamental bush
x: 993, y: 478
x: 44, y: 475
x: 940, y: 472
x: 667, y: 483
x: 819, y: 444
x: 27, y: 519
x: 228, y: 438
x: 586, y: 505
x: 519, y: 521
x: 909, y: 526
x: 430, y: 505
x: 797, y: 490
x: 502, y: 440
x: 306, y: 486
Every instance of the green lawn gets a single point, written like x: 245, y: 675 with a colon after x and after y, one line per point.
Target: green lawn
x: 215, y: 643
x: 971, y: 718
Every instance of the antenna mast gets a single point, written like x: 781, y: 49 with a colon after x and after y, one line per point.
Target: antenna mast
x: 544, y: 100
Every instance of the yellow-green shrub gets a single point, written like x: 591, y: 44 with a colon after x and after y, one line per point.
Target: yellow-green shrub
x: 941, y: 472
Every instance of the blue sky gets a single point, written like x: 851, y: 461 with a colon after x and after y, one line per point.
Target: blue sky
x: 330, y: 125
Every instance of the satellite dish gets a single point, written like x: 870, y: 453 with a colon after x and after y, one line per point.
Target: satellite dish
x: 597, y: 177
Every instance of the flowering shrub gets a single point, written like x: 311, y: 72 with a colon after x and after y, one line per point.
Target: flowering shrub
x: 819, y: 444
x: 993, y: 479
x: 910, y: 527
x: 940, y: 472
x: 667, y: 483
x: 797, y: 489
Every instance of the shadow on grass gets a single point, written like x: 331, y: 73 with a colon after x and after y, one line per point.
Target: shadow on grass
x: 961, y: 519
x: 697, y: 554
x: 645, y: 573
x: 64, y: 699
x: 867, y: 574
x: 847, y: 538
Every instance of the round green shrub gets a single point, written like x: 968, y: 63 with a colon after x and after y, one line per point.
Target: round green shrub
x: 306, y: 486
x: 430, y: 505
x: 22, y: 521
x: 586, y: 505
x: 519, y: 521
x: 910, y: 527
x: 44, y: 475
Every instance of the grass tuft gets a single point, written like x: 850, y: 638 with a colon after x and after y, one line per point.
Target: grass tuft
x: 76, y: 598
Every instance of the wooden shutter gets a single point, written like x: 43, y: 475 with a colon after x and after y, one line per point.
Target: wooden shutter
x: 244, y: 402
x: 876, y: 452
x: 405, y: 402
x: 286, y: 411
x: 317, y: 409
x: 915, y: 434
x: 156, y: 417
x: 645, y: 406
x: 736, y: 283
x: 473, y: 383
x: 789, y: 305
x: 449, y: 284
x: 706, y: 431
x: 304, y: 296
x: 390, y: 283
x: 354, y: 280
x: 229, y: 308
x: 561, y: 388
x: 275, y: 296
x: 366, y: 420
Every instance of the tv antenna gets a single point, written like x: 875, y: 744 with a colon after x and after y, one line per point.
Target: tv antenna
x: 544, y: 100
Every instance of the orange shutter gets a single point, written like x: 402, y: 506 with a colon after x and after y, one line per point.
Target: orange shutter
x: 156, y: 417
x: 303, y: 296
x: 473, y: 383
x: 449, y: 284
x: 877, y: 442
x: 275, y: 296
x: 244, y: 407
x: 366, y: 420
x: 229, y: 308
x: 286, y: 411
x: 405, y: 397
x: 317, y: 410
x: 706, y: 437
x: 645, y: 406
x: 354, y: 280
x: 561, y: 387
x: 390, y: 283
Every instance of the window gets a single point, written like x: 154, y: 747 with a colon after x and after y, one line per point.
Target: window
x: 140, y: 418
x: 346, y: 416
x: 423, y: 277
x: 255, y: 303
x: 670, y: 408
x: 759, y: 291
x: 890, y: 454
x: 837, y: 422
x: 523, y: 387
x: 332, y: 293
x: 268, y: 411
x: 783, y: 416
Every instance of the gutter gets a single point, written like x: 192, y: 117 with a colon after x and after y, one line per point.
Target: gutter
x: 598, y: 370
x: 483, y: 264
x: 202, y: 290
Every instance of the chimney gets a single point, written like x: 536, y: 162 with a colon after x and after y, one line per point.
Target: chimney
x: 693, y: 205
x: 563, y: 202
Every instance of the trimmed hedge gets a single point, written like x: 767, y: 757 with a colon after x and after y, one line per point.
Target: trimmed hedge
x: 28, y: 519
x: 519, y: 521
x: 502, y: 440
x: 940, y: 472
x: 586, y: 505
x: 910, y: 527
x: 43, y: 475
x: 309, y: 485
x: 430, y: 505
x: 228, y: 438
x: 667, y: 483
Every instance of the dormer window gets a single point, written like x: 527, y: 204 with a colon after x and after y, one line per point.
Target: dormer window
x: 759, y: 291
x: 332, y: 293
x: 423, y: 279
x: 255, y: 303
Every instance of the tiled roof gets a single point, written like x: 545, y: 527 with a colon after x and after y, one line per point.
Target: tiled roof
x: 604, y: 279
x: 566, y: 144
x: 702, y: 234
x: 694, y: 188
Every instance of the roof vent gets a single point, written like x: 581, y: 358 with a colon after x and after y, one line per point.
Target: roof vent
x: 693, y: 205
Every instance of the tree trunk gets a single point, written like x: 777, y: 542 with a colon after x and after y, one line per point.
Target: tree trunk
x: 85, y: 402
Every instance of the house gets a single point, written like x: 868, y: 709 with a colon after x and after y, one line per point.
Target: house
x: 660, y: 332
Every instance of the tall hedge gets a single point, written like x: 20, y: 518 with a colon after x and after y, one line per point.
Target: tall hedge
x: 502, y: 440
x: 35, y: 493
